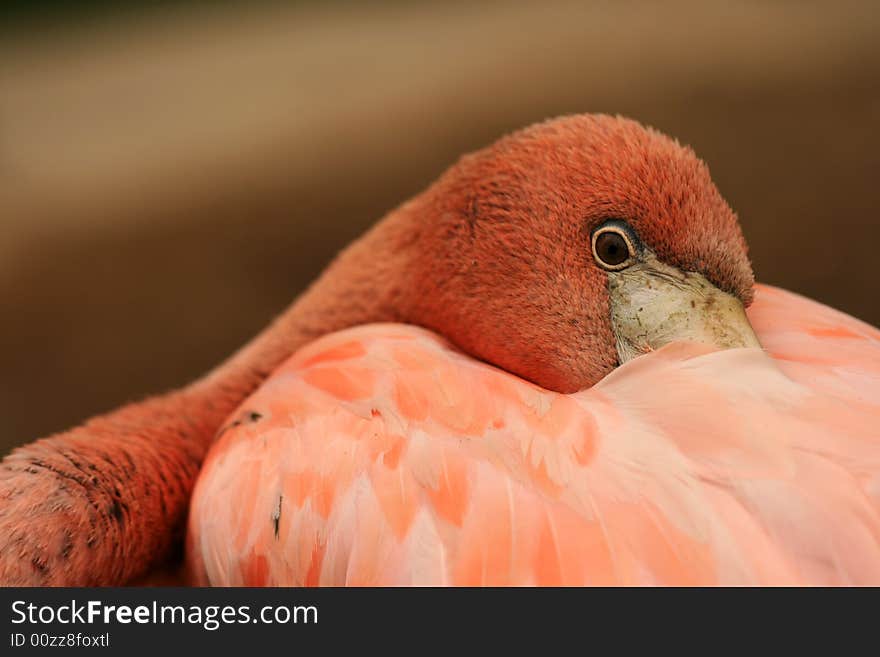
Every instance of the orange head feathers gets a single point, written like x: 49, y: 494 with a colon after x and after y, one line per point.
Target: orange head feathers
x: 500, y: 258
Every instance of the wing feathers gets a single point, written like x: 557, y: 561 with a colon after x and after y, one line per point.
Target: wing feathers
x: 385, y: 457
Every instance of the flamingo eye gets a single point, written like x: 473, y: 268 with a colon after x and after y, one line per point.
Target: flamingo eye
x: 613, y: 248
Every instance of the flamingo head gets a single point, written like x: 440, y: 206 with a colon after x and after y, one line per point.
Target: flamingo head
x: 572, y: 246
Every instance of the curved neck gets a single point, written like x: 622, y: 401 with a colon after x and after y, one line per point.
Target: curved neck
x: 124, y: 478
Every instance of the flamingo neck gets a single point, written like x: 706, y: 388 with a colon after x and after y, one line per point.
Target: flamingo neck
x: 124, y: 479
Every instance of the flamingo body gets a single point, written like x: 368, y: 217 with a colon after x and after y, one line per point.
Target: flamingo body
x: 381, y: 455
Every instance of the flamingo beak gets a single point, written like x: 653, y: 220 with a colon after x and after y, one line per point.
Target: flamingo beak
x: 653, y: 304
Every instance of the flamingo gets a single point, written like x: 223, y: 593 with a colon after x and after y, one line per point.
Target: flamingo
x: 552, y: 367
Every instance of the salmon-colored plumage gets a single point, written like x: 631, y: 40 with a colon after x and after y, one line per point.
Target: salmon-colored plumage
x: 546, y: 424
x: 381, y: 455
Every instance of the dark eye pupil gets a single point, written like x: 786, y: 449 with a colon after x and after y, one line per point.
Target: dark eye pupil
x: 611, y: 248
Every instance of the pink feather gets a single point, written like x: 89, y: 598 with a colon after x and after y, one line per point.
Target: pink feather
x: 380, y: 455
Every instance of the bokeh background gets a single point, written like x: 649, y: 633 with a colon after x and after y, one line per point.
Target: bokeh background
x: 172, y: 174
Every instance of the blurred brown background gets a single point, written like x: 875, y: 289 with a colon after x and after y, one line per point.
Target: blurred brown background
x: 171, y: 178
